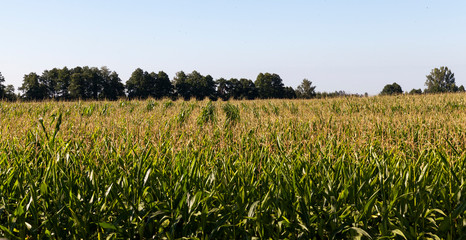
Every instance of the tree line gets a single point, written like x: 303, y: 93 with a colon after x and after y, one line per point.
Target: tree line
x: 91, y: 83
x: 6, y: 92
x: 440, y: 80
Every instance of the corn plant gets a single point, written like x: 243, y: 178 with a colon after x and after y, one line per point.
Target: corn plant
x: 365, y: 168
x: 232, y: 114
x: 207, y: 114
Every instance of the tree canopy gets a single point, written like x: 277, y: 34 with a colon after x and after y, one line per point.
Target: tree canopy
x: 201, y: 86
x: 236, y: 89
x: 2, y: 87
x: 269, y: 85
x: 392, y: 89
x: 142, y: 84
x: 101, y: 83
x: 77, y: 83
x: 415, y: 91
x: 305, y: 89
x: 441, y: 80
x: 195, y: 85
x: 91, y: 83
x: 6, y: 92
x: 33, y: 88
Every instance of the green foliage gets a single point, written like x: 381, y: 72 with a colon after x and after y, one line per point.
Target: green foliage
x: 202, y: 86
x: 168, y: 104
x: 415, y: 91
x: 32, y: 87
x: 142, y: 85
x: 91, y: 83
x: 236, y: 89
x: 441, y: 80
x: 112, y: 87
x: 151, y: 104
x: 392, y: 89
x: 77, y: 83
x: 289, y: 93
x: 232, y: 114
x: 207, y: 114
x: 88, y: 110
x: 195, y: 85
x: 306, y: 90
x: 294, y: 108
x: 269, y: 85
x: 275, y: 109
x: 364, y: 168
x: 163, y: 86
x: 247, y: 90
x: 184, y: 114
x: 6, y: 92
x: 182, y: 87
x: 2, y: 87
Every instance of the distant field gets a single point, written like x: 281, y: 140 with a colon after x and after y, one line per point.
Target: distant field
x: 340, y: 168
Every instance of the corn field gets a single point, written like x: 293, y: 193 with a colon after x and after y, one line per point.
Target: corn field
x: 362, y: 168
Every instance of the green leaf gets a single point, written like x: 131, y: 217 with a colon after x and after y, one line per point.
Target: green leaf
x: 460, y: 208
x: 8, y: 232
x: 43, y: 188
x: 147, y: 176
x: 369, y: 205
x: 252, y: 209
x: 107, y: 225
x: 361, y: 232
x: 108, y: 190
x: 399, y: 233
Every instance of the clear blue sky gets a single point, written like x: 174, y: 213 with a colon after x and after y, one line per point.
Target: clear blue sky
x: 355, y: 46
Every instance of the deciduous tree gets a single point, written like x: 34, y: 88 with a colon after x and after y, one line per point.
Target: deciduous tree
x: 163, y: 86
x: 306, y: 90
x: 415, y: 91
x: 269, y: 85
x: 182, y: 88
x: 113, y: 88
x: 441, y: 80
x: 248, y: 89
x: 392, y: 89
x: 32, y: 87
x: 2, y: 87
